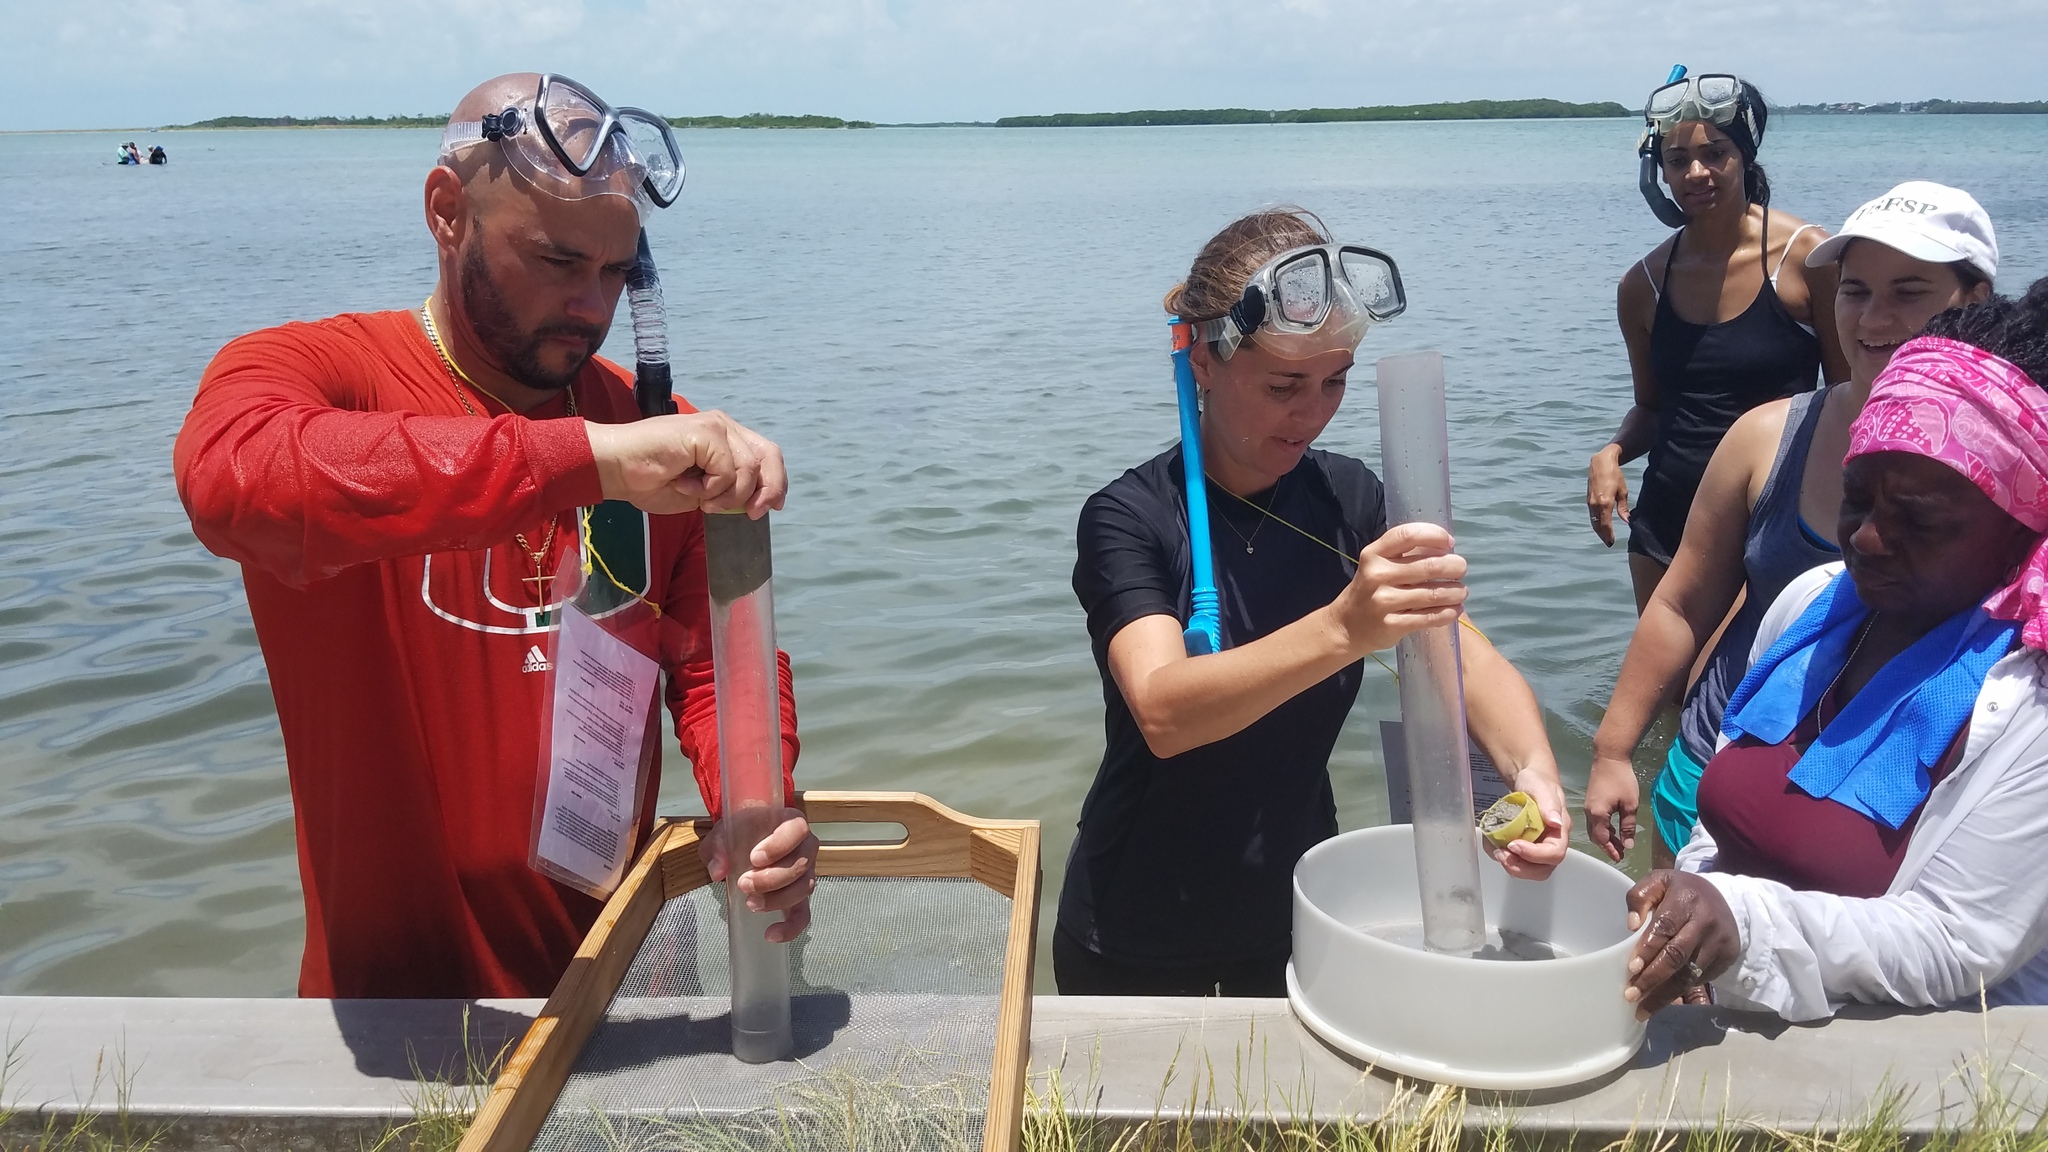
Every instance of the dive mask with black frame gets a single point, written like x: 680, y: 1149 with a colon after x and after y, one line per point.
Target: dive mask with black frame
x: 568, y: 142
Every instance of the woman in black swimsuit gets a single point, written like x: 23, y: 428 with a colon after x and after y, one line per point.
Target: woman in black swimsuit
x: 1722, y: 317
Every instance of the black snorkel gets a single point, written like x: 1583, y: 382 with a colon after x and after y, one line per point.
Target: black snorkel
x: 1661, y: 204
x: 653, y: 386
x: 1668, y: 212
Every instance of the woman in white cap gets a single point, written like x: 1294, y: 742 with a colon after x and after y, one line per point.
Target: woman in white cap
x: 1902, y: 258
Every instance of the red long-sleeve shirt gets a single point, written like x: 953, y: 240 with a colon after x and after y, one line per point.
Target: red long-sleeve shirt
x: 374, y: 521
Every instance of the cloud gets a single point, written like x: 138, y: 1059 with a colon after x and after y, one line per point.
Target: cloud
x: 128, y: 62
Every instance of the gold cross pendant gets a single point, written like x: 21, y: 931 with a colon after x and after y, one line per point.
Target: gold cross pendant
x: 540, y: 583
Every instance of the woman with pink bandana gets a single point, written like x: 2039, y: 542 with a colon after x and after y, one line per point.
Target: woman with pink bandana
x: 1765, y: 511
x: 1870, y: 826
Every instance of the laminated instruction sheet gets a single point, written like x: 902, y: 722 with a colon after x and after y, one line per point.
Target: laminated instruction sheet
x: 603, y: 690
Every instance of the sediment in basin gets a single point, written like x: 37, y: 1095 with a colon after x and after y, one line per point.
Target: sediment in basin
x: 1441, y: 1017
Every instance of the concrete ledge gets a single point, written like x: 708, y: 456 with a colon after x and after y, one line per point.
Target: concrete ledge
x: 1133, y: 1060
x: 311, y: 1075
x: 316, y: 1075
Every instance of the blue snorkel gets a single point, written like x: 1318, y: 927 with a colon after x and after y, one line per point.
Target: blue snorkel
x: 1204, y: 633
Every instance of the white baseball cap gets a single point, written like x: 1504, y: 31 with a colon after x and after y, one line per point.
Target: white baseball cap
x: 1926, y: 221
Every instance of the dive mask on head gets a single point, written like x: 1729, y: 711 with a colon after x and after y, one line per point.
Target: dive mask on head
x: 1716, y: 98
x: 1308, y: 301
x: 569, y: 143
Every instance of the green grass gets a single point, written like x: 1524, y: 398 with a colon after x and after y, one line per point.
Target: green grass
x: 90, y: 1128
x: 441, y: 1107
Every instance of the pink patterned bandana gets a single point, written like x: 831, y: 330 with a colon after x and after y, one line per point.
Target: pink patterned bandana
x: 1983, y: 417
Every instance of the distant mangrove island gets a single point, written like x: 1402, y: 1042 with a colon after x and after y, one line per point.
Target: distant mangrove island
x: 1920, y: 108
x: 751, y: 120
x: 1460, y: 110
x: 316, y: 122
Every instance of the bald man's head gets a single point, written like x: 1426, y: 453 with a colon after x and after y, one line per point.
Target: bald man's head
x: 486, y: 161
x: 534, y: 276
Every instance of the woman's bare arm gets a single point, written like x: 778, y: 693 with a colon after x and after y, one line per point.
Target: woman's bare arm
x: 1407, y: 579
x: 1606, y: 488
x: 1688, y: 606
x: 1505, y: 721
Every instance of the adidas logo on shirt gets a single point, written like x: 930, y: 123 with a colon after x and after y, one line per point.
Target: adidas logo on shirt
x: 536, y: 660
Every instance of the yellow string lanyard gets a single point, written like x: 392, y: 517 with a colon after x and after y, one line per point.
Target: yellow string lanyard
x: 590, y: 553
x: 1329, y: 547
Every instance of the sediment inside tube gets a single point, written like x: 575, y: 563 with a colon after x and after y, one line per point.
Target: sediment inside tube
x: 1500, y: 945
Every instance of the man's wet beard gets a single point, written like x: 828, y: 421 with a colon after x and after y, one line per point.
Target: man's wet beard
x: 490, y: 317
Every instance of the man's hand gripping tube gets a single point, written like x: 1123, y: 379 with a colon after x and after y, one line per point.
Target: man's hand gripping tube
x: 1204, y: 632
x: 653, y: 386
x: 737, y: 562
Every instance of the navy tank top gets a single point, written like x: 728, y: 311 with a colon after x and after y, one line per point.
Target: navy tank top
x: 1778, y: 547
x: 1708, y: 375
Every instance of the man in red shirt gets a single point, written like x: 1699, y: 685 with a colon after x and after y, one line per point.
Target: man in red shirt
x: 399, y: 487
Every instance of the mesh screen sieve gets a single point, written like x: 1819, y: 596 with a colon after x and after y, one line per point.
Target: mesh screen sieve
x: 896, y: 996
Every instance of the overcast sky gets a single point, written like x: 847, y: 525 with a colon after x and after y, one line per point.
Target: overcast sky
x: 109, y: 63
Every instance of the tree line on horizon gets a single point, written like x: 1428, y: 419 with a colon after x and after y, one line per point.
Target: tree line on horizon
x: 1459, y: 110
x: 750, y: 120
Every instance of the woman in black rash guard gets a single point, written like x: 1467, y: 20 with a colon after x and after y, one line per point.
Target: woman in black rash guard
x: 1216, y: 778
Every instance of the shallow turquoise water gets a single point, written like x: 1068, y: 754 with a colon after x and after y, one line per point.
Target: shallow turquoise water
x: 955, y: 334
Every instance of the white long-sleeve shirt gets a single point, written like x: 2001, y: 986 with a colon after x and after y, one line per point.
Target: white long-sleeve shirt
x: 1967, y: 914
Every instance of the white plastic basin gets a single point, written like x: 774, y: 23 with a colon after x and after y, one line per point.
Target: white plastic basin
x: 1493, y: 1024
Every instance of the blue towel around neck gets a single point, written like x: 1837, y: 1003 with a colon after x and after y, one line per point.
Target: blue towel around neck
x: 1874, y: 756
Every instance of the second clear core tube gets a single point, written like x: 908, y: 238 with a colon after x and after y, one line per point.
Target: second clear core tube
x: 1415, y: 457
x: 737, y: 560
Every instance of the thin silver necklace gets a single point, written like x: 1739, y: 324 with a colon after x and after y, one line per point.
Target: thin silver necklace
x: 1861, y: 636
x: 1264, y: 512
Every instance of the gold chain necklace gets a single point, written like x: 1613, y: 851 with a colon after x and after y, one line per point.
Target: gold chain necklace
x: 457, y: 378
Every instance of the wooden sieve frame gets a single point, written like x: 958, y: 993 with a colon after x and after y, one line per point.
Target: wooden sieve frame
x: 937, y: 842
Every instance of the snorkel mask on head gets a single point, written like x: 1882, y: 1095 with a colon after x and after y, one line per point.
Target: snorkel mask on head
x: 570, y: 144
x: 1302, y: 303
x: 1308, y: 301
x: 1716, y: 98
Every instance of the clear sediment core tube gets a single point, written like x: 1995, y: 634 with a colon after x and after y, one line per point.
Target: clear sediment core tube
x: 738, y: 561
x: 1415, y: 457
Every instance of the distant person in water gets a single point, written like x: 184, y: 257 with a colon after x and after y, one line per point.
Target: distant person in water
x: 1766, y: 509
x: 1870, y: 829
x: 157, y: 156
x: 401, y: 487
x: 1215, y: 778
x: 1722, y: 317
x: 128, y: 153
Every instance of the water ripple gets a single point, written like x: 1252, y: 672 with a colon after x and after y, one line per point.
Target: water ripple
x: 979, y: 347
